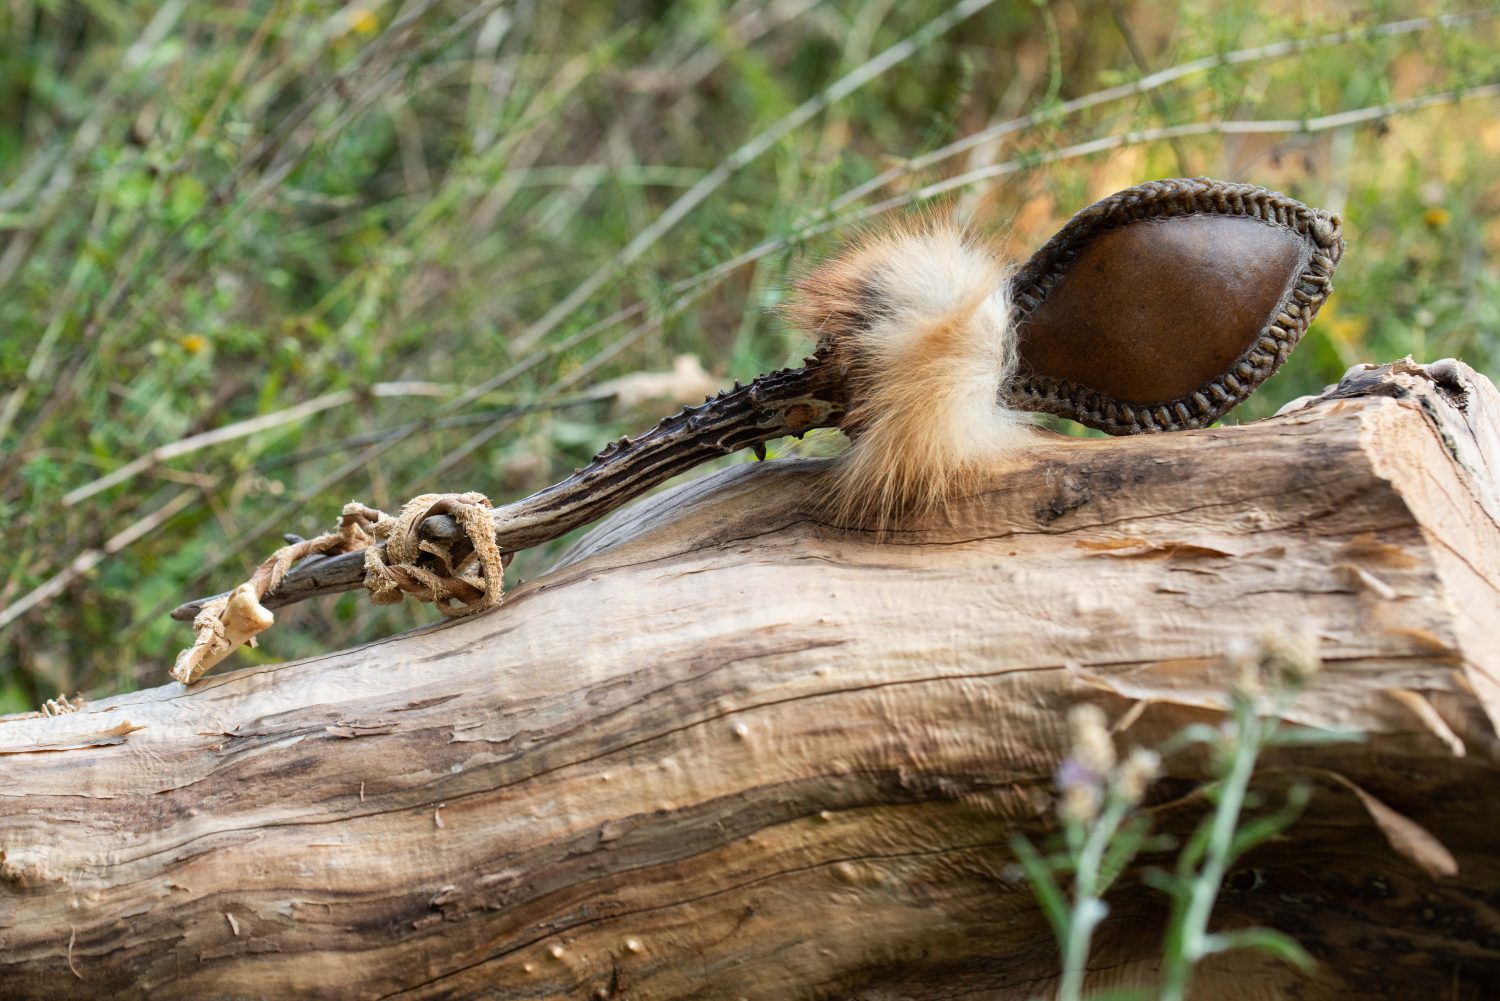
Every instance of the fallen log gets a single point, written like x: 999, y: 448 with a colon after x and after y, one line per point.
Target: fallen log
x: 728, y: 749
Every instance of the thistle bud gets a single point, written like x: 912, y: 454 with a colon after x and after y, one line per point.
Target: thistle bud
x: 1091, y: 745
x: 1080, y: 804
x: 1136, y: 773
x: 1243, y: 660
x: 1290, y: 656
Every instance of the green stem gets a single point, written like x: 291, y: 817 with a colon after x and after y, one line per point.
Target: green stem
x: 1088, y: 910
x: 1187, y: 943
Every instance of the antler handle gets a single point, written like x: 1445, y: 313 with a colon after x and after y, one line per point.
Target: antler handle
x: 789, y: 402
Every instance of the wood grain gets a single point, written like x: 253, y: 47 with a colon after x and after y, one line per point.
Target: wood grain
x: 728, y: 749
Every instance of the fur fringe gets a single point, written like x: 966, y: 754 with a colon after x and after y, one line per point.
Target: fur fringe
x: 919, y: 319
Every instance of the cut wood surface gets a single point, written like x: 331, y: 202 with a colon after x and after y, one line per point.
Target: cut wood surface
x: 728, y: 749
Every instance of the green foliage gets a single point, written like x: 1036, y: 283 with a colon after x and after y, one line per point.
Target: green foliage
x: 210, y: 213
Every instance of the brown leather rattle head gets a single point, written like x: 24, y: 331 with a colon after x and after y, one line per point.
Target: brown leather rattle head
x: 1163, y: 306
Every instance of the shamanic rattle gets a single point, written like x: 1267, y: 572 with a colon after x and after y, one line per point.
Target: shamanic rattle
x: 1159, y: 308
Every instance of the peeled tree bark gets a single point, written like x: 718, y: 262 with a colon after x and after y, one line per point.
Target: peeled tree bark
x: 730, y: 750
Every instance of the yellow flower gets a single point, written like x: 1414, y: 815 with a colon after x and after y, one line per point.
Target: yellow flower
x: 193, y: 343
x: 363, y: 21
x: 1436, y: 217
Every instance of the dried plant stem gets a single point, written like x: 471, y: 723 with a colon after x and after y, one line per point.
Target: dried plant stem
x: 90, y: 558
x: 1104, y: 144
x: 1146, y: 85
x: 242, y: 429
x: 749, y: 151
x: 1119, y: 140
x: 478, y: 439
x: 52, y: 197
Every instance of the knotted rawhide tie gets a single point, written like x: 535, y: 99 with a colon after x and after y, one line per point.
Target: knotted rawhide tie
x: 430, y: 570
x: 467, y: 569
x: 238, y: 617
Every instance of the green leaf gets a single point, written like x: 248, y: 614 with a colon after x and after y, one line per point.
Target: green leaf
x: 1278, y: 944
x: 134, y: 190
x: 1313, y: 737
x: 1043, y: 885
x: 1197, y: 846
x: 1123, y: 848
x: 1262, y: 829
x: 1166, y: 882
x: 187, y: 197
x: 1190, y: 736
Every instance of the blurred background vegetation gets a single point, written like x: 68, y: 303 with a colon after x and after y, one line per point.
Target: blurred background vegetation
x: 397, y: 247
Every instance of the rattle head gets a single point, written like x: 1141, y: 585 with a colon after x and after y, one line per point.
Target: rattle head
x: 1162, y: 307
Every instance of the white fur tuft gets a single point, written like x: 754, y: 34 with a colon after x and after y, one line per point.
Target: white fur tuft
x: 920, y: 319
